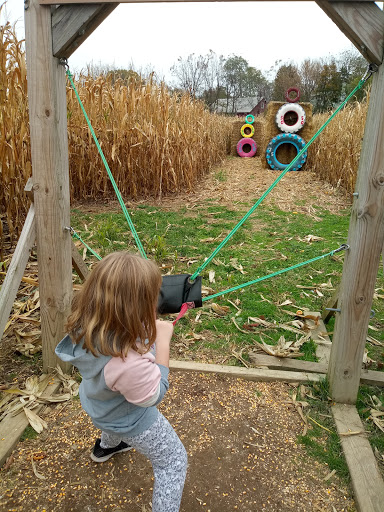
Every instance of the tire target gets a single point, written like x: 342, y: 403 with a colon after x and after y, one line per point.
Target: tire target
x: 296, y: 98
x: 290, y: 118
x: 246, y: 147
x: 247, y: 130
x: 285, y: 138
x: 250, y: 119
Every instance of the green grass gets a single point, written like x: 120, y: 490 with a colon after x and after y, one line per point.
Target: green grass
x: 29, y: 433
x: 322, y: 440
x: 270, y: 240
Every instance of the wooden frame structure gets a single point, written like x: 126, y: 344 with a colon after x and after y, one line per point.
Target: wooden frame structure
x: 54, y: 29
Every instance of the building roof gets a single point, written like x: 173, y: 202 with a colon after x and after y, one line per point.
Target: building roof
x: 242, y: 105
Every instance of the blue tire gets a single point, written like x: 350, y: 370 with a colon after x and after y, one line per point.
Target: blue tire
x: 285, y: 138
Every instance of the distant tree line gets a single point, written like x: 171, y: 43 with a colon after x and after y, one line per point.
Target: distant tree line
x: 323, y: 82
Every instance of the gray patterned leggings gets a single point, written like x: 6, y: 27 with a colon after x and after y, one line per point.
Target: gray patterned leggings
x: 168, y: 456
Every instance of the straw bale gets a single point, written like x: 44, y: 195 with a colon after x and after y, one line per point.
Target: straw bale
x: 286, y: 152
x: 258, y: 136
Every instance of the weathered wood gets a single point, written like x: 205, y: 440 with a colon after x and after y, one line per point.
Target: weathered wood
x: 368, y: 377
x: 28, y: 189
x: 16, y: 268
x: 78, y: 263
x: 367, y: 483
x: 53, y: 2
x: 320, y: 337
x: 332, y: 303
x: 372, y: 378
x: 365, y: 238
x: 363, y: 24
x: 12, y: 427
x: 287, y: 363
x: 50, y: 172
x: 257, y: 374
x: 72, y: 24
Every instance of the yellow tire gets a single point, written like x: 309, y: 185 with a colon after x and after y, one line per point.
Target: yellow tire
x: 247, y: 130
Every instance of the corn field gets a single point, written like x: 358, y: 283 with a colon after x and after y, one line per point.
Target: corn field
x: 15, y: 159
x: 334, y: 156
x: 156, y: 143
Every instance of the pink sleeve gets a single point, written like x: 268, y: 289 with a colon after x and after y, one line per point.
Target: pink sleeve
x: 137, y: 377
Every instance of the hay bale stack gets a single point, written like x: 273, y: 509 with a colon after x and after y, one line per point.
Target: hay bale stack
x: 286, y: 153
x: 258, y: 136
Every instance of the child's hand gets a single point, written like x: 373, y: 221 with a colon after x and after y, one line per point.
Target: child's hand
x: 164, y: 331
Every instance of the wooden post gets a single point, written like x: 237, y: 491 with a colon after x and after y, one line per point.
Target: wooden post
x: 50, y: 168
x: 365, y: 237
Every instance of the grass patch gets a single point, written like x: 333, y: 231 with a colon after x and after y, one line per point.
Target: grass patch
x: 29, y: 433
x: 322, y: 440
x: 270, y: 240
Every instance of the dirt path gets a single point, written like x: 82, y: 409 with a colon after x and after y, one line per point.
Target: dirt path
x: 241, y: 442
x: 246, y: 179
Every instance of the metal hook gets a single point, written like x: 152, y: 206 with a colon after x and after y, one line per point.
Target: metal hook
x: 64, y: 62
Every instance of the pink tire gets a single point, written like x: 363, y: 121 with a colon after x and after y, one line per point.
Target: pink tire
x: 296, y: 98
x: 246, y: 147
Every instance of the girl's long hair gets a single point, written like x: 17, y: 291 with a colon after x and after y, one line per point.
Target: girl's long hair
x: 116, y: 306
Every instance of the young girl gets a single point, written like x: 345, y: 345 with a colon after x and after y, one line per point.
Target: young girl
x: 112, y: 333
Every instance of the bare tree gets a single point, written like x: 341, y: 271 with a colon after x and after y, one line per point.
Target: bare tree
x: 309, y: 75
x: 191, y: 73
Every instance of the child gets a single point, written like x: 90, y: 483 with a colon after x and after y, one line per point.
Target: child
x: 112, y: 331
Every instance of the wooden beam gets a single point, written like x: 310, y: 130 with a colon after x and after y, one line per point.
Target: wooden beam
x: 50, y: 171
x: 257, y: 374
x: 367, y: 482
x: 367, y: 377
x: 55, y: 2
x: 363, y: 24
x: 72, y: 24
x: 16, y: 268
x: 332, y: 303
x: 365, y: 238
x: 78, y: 264
x: 287, y: 363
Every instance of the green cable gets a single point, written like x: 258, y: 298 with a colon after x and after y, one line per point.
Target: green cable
x: 241, y: 222
x: 117, y: 191
x: 73, y: 232
x: 278, y: 272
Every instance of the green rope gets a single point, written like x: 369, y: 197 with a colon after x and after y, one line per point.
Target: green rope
x: 117, y: 191
x: 277, y: 273
x: 241, y: 222
x: 73, y: 232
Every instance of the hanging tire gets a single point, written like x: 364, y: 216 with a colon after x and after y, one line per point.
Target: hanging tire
x: 290, y: 118
x: 250, y: 119
x: 247, y: 127
x: 296, y: 98
x: 246, y: 147
x: 285, y: 138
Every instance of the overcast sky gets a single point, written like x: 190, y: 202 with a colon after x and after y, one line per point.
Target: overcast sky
x: 155, y: 35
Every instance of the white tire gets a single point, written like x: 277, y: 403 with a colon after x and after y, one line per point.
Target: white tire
x: 290, y: 118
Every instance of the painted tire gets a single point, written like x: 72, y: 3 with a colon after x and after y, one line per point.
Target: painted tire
x: 285, y: 138
x: 296, y: 98
x: 246, y: 142
x: 249, y: 119
x: 244, y: 127
x: 290, y: 113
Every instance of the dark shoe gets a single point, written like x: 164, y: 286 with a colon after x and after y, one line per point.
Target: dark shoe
x: 100, y: 454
